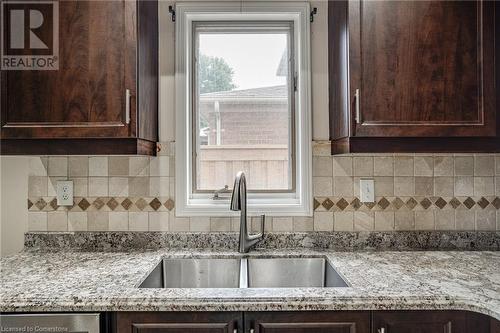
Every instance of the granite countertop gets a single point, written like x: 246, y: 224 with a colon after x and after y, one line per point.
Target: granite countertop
x: 107, y: 281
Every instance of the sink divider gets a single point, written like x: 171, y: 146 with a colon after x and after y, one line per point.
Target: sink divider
x: 243, y: 273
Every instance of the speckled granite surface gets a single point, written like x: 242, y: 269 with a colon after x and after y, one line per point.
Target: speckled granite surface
x: 101, y: 281
x: 337, y: 241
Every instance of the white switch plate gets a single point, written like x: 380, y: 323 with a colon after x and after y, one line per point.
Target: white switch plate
x: 65, y: 193
x: 367, y: 190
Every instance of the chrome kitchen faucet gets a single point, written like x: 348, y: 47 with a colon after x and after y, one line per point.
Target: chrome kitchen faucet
x: 239, y: 203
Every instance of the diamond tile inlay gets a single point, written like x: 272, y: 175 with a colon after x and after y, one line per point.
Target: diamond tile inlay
x: 126, y: 203
x: 40, y: 204
x: 455, y: 202
x: 383, y: 203
x: 141, y: 203
x: 84, y: 204
x: 155, y: 204
x: 30, y: 204
x: 342, y: 204
x: 483, y: 202
x: 440, y: 202
x: 112, y: 203
x: 355, y: 203
x: 370, y: 205
x: 327, y: 204
x: 397, y: 203
x: 53, y: 204
x: 98, y: 203
x: 411, y: 203
x: 426, y: 203
x: 316, y: 204
x: 496, y: 203
x: 469, y: 202
x: 169, y: 204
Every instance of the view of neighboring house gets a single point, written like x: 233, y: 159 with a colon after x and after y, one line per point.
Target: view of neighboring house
x: 245, y: 130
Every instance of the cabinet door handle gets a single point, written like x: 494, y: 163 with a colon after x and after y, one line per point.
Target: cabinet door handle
x: 127, y: 106
x: 235, y: 330
x: 357, y: 96
x: 252, y: 330
x: 381, y: 330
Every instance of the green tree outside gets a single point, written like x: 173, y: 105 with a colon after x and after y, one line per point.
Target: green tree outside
x: 214, y: 74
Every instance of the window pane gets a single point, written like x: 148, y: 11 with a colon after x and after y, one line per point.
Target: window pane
x: 243, y: 108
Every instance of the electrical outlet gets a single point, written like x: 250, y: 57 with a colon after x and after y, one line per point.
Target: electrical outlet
x: 65, y: 193
x: 367, y: 190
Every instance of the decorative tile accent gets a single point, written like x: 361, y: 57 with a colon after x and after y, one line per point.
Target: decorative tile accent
x: 328, y: 204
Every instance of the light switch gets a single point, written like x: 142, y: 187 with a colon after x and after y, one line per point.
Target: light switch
x: 367, y: 190
x: 65, y: 193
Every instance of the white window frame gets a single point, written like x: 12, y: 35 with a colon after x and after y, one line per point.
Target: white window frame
x: 297, y: 203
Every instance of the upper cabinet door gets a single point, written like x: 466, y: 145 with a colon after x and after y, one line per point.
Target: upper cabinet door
x: 85, y: 97
x: 422, y: 68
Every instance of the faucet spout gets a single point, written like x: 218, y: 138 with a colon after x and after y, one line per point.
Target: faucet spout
x: 239, y: 203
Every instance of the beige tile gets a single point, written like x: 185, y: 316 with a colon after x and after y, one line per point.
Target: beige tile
x: 37, y: 221
x: 321, y: 148
x: 118, y: 186
x: 323, y: 186
x: 98, y: 186
x: 98, y: 221
x: 303, y: 223
x: 464, y: 165
x: 158, y: 221
x: 424, y: 220
x: 443, y: 165
x: 384, y: 221
x: 118, y: 166
x: 178, y: 224
x: 364, y: 221
x: 383, y: 166
x: 52, y: 185
x: 404, y: 186
x: 77, y: 221
x: 323, y: 221
x: 363, y: 166
x: 484, y: 165
x: 484, y: 186
x: 384, y: 186
x: 404, y: 221
x: 424, y: 186
x: 403, y: 166
x: 486, y: 220
x: 138, y: 221
x: 159, y: 166
x: 37, y: 186
x: 159, y: 186
x: 138, y: 166
x: 464, y: 220
x: 199, y: 223
x: 255, y: 224
x: 138, y: 186
x: 172, y: 167
x: 444, y: 186
x: 118, y: 221
x: 219, y: 224
x: 78, y: 166
x: 343, y: 221
x: 58, y: 166
x: 98, y: 166
x: 322, y: 166
x: 37, y: 166
x: 497, y: 164
x: 283, y: 224
x: 445, y: 220
x: 57, y: 221
x: 497, y: 186
x: 424, y: 166
x: 343, y: 186
x: 80, y: 187
x: 464, y: 186
x: 342, y: 166
x: 498, y: 220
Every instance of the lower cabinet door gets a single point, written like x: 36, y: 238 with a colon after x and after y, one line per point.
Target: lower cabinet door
x: 419, y: 322
x: 308, y: 322
x: 178, y: 322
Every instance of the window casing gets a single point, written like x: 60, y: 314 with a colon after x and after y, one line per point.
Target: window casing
x: 195, y: 19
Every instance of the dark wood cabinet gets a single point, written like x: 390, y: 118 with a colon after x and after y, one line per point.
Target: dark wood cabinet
x: 103, y: 99
x: 178, y: 322
x: 416, y: 76
x: 308, y: 322
x: 419, y: 322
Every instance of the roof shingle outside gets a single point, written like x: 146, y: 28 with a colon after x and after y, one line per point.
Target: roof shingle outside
x: 263, y: 92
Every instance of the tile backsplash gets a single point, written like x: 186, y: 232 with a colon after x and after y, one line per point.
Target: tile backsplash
x: 412, y: 192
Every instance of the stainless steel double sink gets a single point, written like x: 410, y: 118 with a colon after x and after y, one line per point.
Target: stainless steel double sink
x: 243, y: 273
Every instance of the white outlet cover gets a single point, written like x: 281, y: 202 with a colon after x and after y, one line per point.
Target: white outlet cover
x: 65, y: 193
x: 367, y: 190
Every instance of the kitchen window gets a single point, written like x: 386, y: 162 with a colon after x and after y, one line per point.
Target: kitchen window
x: 242, y: 104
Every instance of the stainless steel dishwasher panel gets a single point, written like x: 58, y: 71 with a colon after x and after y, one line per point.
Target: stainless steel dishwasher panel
x: 50, y: 323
